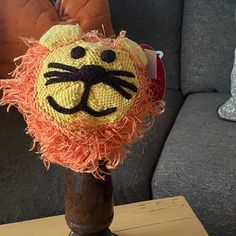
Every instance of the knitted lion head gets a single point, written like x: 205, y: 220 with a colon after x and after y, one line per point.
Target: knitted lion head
x: 85, y: 98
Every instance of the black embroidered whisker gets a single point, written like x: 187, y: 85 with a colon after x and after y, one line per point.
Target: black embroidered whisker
x: 119, y: 89
x: 121, y: 73
x: 120, y: 82
x: 61, y: 80
x: 57, y: 74
x: 62, y: 67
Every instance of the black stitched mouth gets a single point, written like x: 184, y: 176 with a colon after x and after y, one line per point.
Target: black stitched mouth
x: 89, y: 75
x: 78, y: 108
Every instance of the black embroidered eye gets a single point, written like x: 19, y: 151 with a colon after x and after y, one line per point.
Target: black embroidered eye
x: 108, y: 56
x: 77, y: 52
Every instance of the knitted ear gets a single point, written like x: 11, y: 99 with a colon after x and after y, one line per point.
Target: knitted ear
x: 61, y: 34
x: 134, y: 50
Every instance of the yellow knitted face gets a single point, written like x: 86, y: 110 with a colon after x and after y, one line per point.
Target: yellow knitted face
x: 86, y: 81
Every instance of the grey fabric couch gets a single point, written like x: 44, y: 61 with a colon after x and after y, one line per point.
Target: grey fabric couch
x: 188, y: 152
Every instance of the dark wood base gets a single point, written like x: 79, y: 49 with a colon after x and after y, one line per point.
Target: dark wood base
x: 105, y: 232
x: 88, y: 204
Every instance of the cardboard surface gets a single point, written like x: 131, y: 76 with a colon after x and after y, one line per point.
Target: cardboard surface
x: 162, y: 217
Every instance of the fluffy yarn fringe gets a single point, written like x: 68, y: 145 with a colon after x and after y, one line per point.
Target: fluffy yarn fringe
x: 83, y: 149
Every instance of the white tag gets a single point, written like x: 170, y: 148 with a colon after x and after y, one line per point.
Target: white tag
x: 152, y: 62
x: 160, y: 54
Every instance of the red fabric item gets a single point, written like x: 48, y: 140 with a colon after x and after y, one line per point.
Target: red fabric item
x: 160, y: 81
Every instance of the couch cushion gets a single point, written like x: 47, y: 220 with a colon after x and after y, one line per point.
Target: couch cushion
x: 132, y: 179
x: 198, y: 161
x: 27, y: 189
x: 155, y: 22
x: 208, y: 42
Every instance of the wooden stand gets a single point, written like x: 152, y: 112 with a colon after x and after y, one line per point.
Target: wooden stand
x: 88, y: 204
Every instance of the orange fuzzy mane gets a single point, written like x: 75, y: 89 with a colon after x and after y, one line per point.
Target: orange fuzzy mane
x: 84, y: 148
